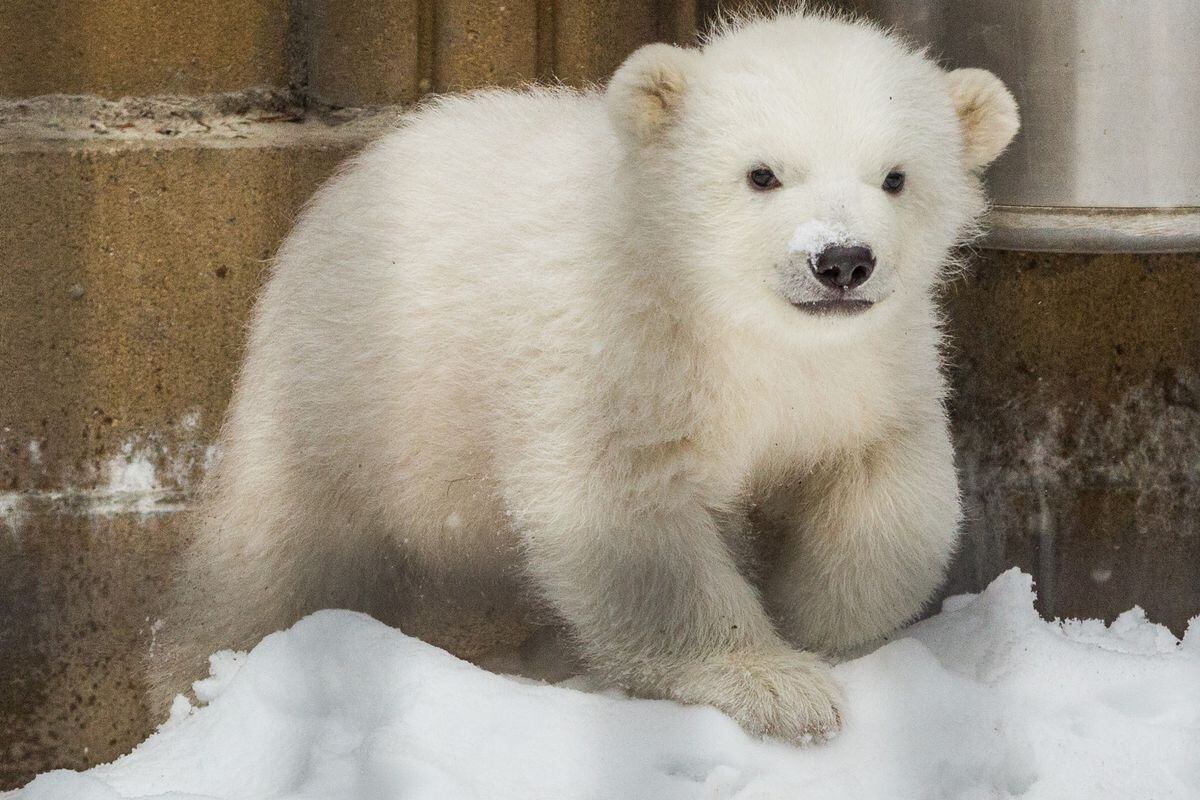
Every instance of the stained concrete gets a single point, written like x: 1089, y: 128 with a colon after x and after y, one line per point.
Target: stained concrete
x: 129, y: 268
x: 395, y: 51
x: 115, y: 48
x: 78, y: 606
x: 361, y: 54
x: 128, y: 274
x: 1077, y: 424
x: 341, y: 54
x: 591, y: 39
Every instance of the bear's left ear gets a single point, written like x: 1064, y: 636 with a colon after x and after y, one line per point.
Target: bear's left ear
x: 646, y: 92
x: 987, y: 114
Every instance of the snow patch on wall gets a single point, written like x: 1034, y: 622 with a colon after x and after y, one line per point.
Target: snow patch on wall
x: 1027, y: 470
x: 14, y: 510
x: 149, y: 474
x: 131, y: 472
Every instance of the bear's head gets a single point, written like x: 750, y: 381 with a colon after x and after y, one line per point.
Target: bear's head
x: 803, y: 171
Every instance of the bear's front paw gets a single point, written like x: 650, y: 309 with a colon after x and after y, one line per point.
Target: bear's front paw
x: 777, y: 692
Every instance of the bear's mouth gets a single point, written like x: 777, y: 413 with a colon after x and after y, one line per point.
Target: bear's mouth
x: 841, y: 306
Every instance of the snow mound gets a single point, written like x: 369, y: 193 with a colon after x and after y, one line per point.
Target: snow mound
x: 984, y: 700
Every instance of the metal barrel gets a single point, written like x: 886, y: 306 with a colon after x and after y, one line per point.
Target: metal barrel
x: 1108, y: 157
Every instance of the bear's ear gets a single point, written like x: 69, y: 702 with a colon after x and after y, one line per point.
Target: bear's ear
x: 987, y: 114
x: 646, y: 92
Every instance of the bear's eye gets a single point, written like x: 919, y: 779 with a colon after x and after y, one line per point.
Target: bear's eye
x: 894, y: 182
x: 763, y: 178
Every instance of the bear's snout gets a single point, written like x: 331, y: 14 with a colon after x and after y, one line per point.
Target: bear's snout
x: 843, y: 266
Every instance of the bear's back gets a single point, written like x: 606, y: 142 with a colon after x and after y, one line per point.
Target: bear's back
x: 428, y: 271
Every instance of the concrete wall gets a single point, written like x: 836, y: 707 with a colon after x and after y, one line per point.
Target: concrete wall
x: 1077, y: 425
x: 136, y: 220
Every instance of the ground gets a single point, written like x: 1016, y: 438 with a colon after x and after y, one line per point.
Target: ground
x: 984, y: 700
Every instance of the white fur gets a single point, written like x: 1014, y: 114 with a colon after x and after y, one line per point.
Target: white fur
x: 532, y: 348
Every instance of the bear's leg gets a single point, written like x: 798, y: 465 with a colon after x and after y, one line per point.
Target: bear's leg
x: 264, y: 551
x: 656, y: 604
x: 868, y: 538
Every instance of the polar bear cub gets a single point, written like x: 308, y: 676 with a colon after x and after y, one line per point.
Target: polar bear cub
x: 659, y: 360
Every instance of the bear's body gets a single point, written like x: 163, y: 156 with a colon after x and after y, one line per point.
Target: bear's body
x: 553, y: 348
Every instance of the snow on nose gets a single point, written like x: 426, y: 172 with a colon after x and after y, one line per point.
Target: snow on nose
x: 812, y: 237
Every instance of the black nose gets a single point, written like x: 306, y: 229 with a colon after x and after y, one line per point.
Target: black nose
x: 841, y: 267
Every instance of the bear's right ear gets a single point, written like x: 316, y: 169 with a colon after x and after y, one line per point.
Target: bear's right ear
x: 646, y: 92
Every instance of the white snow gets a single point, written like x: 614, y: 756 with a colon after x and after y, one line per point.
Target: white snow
x: 132, y: 485
x: 14, y: 512
x: 815, y: 235
x: 984, y: 700
x: 131, y: 472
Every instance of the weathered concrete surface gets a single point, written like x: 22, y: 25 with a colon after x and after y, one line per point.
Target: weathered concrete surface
x: 394, y: 51
x: 1077, y: 422
x: 482, y: 43
x: 128, y: 272
x: 254, y: 118
x: 362, y: 54
x: 78, y: 605
x: 591, y: 39
x: 378, y: 52
x: 127, y: 47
